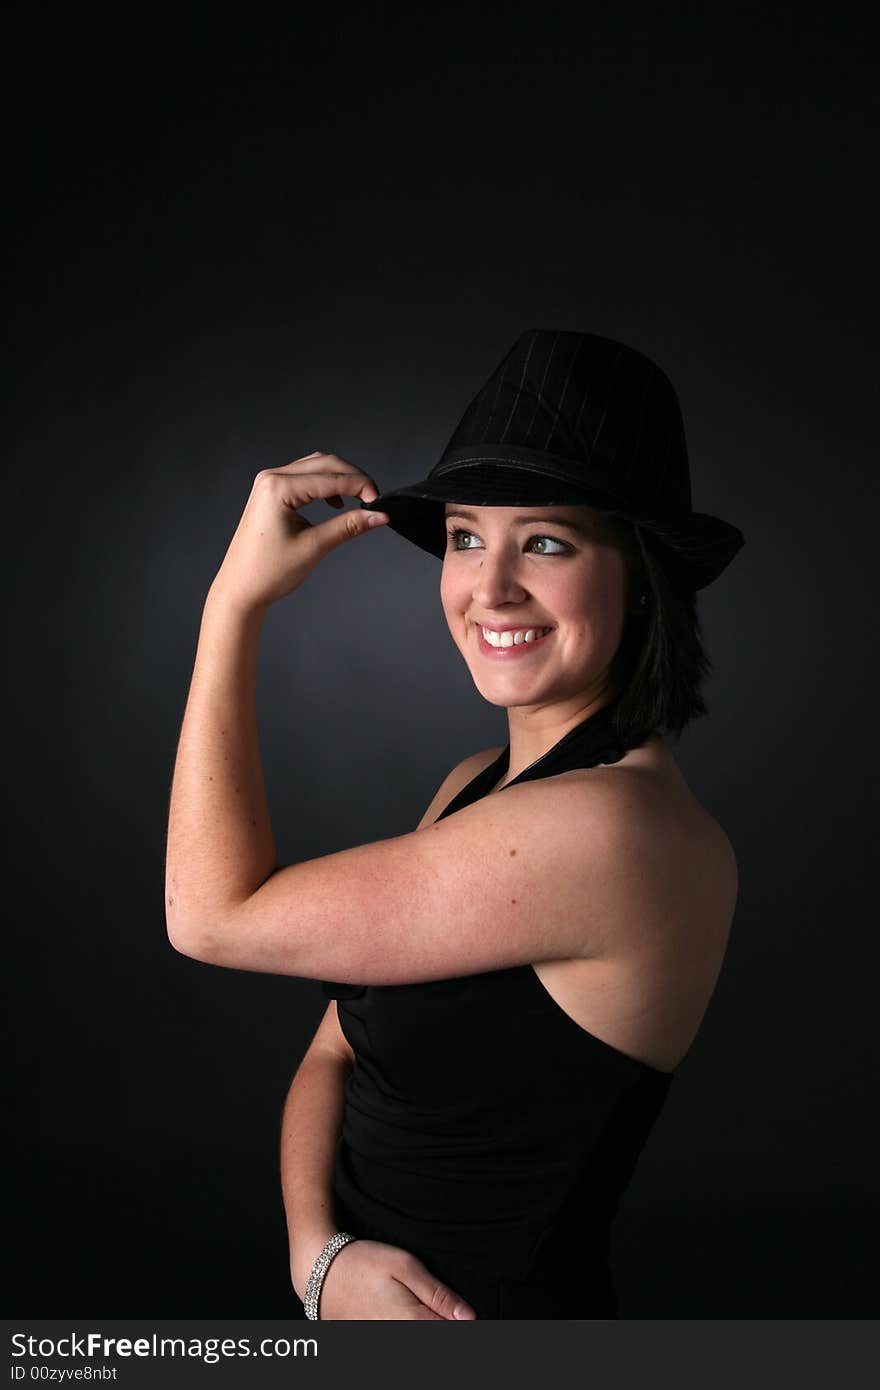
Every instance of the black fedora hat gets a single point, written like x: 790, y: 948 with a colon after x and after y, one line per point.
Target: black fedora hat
x: 573, y: 418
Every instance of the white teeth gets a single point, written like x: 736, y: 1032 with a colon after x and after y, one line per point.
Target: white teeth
x: 511, y: 639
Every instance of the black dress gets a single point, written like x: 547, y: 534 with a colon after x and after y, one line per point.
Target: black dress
x: 484, y: 1130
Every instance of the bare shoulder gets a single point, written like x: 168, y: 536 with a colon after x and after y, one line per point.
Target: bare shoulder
x: 656, y: 831
x: 461, y: 774
x: 645, y: 986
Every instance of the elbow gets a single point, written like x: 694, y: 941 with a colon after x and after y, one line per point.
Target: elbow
x: 190, y: 940
x: 187, y: 931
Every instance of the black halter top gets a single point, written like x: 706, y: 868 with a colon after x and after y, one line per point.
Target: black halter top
x: 482, y: 1125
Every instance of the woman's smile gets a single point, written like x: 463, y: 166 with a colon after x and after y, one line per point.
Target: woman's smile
x: 507, y: 644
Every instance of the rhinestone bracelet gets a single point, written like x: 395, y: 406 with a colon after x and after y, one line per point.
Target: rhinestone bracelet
x: 319, y: 1269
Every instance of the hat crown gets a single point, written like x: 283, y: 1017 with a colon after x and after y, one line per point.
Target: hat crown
x: 573, y: 418
x: 588, y: 405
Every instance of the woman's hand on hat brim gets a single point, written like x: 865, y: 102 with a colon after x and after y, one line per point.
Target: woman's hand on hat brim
x: 274, y: 548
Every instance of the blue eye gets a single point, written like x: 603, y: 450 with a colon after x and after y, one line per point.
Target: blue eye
x: 454, y: 532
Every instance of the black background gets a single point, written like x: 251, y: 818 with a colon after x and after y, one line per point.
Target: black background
x: 238, y: 236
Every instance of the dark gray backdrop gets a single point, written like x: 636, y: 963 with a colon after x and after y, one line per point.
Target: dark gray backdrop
x: 236, y: 241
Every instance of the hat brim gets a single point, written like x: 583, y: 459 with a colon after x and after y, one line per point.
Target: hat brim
x: 696, y: 547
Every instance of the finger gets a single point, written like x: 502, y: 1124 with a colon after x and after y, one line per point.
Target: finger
x: 299, y: 489
x: 370, y: 493
x: 308, y: 461
x: 437, y: 1296
x: 334, y: 462
x: 346, y: 527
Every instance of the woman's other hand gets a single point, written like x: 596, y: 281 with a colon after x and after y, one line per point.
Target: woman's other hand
x: 274, y: 549
x: 368, y: 1280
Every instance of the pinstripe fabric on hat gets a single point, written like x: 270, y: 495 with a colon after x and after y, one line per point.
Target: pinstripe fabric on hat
x: 573, y: 418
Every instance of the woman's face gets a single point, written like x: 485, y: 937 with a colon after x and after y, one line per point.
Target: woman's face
x: 561, y: 569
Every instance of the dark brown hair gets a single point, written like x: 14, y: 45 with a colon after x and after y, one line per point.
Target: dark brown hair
x: 661, y: 664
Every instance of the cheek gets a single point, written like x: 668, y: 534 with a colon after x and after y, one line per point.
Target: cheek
x: 445, y: 588
x: 593, y: 600
x: 612, y: 603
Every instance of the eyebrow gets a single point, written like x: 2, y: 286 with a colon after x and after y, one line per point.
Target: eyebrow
x: 577, y: 527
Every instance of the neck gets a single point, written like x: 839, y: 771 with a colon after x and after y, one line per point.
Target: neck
x: 533, y: 732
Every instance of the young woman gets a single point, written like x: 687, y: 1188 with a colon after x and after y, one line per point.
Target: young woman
x: 511, y: 985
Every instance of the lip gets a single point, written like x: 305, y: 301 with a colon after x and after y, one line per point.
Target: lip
x: 516, y: 651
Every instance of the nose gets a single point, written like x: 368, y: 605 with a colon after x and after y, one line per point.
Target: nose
x: 496, y: 582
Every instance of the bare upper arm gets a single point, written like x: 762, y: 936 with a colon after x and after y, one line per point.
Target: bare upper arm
x: 329, y: 1036
x: 549, y: 869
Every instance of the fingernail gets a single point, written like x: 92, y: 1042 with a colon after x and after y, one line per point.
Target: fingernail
x: 461, y: 1310
x: 376, y: 518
